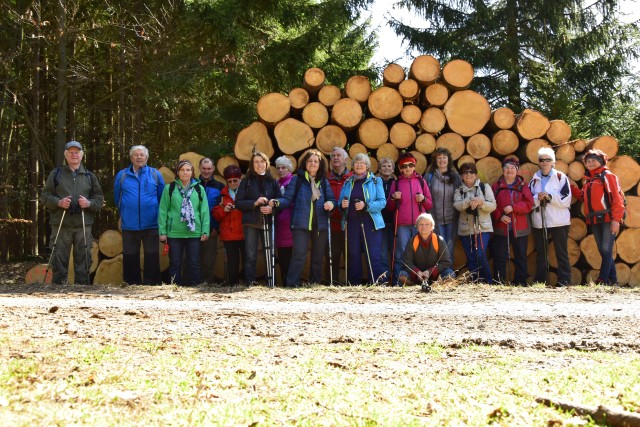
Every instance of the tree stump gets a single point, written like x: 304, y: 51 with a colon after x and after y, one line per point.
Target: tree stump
x: 385, y: 103
x: 393, y: 75
x: 293, y: 136
x: 329, y: 95
x: 433, y: 120
x: 347, y: 113
x: 402, y: 135
x: 110, y: 243
x: 331, y: 136
x: 467, y: 112
x: 435, y: 95
x: 315, y: 115
x: 478, y: 146
x: 559, y: 132
x: 273, y: 108
x: 358, y: 88
x: 457, y: 74
x: 109, y: 272
x: 253, y: 137
x: 425, y: 69
x: 372, y: 133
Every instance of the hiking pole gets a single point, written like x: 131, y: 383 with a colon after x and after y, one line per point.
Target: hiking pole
x: 330, y: 256
x: 366, y: 245
x: 53, y: 248
x: 545, y: 236
x: 267, y: 247
x: 346, y: 249
x: 86, y: 251
x: 393, y: 254
x: 273, y: 249
x: 476, y: 231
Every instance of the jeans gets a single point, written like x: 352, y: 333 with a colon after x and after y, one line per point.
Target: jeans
x: 131, y: 257
x: 559, y: 236
x: 191, y: 248
x: 475, y: 247
x: 447, y: 233
x: 605, y: 240
x: 500, y: 245
x: 404, y: 234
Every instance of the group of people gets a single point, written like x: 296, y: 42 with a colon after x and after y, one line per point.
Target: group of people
x: 402, y: 228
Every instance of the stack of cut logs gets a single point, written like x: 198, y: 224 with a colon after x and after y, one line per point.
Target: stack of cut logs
x: 433, y: 107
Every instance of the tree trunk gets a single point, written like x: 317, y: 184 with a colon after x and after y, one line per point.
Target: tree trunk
x: 467, y: 112
x: 393, y: 75
x: 457, y: 74
x: 426, y: 143
x: 433, y: 120
x: 273, y: 108
x: 293, y: 136
x: 504, y: 142
x: 559, y: 132
x: 313, y: 81
x: 329, y: 95
x: 435, y: 95
x: 425, y: 69
x: 453, y: 142
x: 502, y: 118
x: 627, y: 170
x: 531, y: 124
x: 478, y: 146
x: 372, y: 133
x: 409, y: 91
x: 606, y: 143
x: 315, y: 115
x: 331, y: 136
x: 358, y: 88
x: 61, y: 84
x: 402, y: 135
x: 347, y: 113
x: 298, y: 99
x: 253, y: 137
x: 385, y: 103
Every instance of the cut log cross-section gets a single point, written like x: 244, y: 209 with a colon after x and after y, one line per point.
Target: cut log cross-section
x: 559, y: 132
x: 393, y: 75
x: 329, y: 95
x: 110, y: 243
x: 426, y: 143
x: 293, y: 136
x: 331, y: 136
x: 315, y: 115
x: 409, y: 90
x: 385, y: 103
x: 606, y: 143
x: 372, y: 133
x: 478, y: 146
x: 358, y: 88
x: 273, y: 108
x: 504, y: 142
x: 627, y: 170
x: 433, y: 120
x: 457, y: 74
x: 436, y: 95
x: 253, y: 137
x: 313, y: 80
x: 411, y: 114
x: 467, y: 112
x: 298, y: 99
x: 453, y: 142
x: 502, y: 118
x: 347, y: 113
x: 402, y: 135
x: 531, y: 124
x: 425, y: 69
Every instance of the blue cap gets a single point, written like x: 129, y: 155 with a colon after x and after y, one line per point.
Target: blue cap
x: 73, y: 144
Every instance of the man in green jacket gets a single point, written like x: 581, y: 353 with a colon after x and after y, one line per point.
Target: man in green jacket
x: 73, y: 195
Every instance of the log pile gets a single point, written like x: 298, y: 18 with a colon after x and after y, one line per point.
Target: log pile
x: 432, y: 106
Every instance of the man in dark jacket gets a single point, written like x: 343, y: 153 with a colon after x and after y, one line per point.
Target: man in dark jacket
x: 209, y: 248
x: 137, y: 192
x: 73, y: 195
x: 337, y: 176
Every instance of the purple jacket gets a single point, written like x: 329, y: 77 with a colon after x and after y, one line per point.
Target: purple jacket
x: 284, y: 236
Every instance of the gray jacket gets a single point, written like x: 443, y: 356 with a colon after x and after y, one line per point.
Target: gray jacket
x: 462, y: 199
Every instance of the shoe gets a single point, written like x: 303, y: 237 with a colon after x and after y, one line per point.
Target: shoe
x: 404, y: 281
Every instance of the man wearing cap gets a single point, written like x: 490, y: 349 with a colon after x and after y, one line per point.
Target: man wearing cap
x: 409, y: 197
x: 137, y: 192
x: 73, y: 195
x: 209, y: 247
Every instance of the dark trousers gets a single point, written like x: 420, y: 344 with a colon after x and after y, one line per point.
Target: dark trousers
x: 208, y: 252
x: 337, y: 252
x: 501, y: 257
x: 234, y: 250
x: 71, y: 237
x: 559, y: 236
x: 356, y: 247
x: 131, y: 257
x: 476, y: 248
x: 284, y: 259
x: 190, y: 248
x: 301, y: 240
x: 252, y: 238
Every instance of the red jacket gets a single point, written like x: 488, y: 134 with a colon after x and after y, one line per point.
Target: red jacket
x: 336, y: 182
x: 520, y: 198
x: 230, y: 222
x: 602, y: 196
x: 408, y: 208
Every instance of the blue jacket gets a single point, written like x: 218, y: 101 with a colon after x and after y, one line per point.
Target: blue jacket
x: 137, y: 197
x: 213, y: 189
x: 303, y: 208
x: 373, y: 197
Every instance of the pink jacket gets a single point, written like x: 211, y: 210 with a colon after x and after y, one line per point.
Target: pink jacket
x: 407, y: 208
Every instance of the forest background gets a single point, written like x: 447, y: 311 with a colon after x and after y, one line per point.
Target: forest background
x: 185, y: 75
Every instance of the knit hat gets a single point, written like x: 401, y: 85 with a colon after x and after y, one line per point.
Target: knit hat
x: 406, y: 158
x: 511, y: 161
x: 597, y: 154
x: 232, y: 171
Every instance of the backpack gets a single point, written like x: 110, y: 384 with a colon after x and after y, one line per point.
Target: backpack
x: 89, y: 176
x: 607, y: 200
x: 172, y: 188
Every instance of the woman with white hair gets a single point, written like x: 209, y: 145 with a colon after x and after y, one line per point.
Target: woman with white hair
x: 551, y: 192
x: 426, y: 256
x: 284, y: 236
x: 362, y: 200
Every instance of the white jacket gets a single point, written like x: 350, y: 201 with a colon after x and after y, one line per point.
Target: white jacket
x: 461, y: 200
x: 557, y: 210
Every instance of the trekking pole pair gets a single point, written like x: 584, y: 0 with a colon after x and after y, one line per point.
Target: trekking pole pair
x: 545, y: 237
x: 268, y: 231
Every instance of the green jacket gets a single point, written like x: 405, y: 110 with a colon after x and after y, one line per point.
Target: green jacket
x: 169, y: 223
x: 83, y: 184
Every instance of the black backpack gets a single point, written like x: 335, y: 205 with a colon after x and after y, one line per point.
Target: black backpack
x: 172, y: 188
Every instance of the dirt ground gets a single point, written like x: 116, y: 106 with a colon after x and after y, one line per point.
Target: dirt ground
x: 453, y: 315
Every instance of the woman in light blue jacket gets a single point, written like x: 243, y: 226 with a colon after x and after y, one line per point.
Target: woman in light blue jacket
x: 362, y: 200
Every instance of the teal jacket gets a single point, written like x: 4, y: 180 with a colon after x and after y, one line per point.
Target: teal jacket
x: 169, y: 223
x: 373, y: 197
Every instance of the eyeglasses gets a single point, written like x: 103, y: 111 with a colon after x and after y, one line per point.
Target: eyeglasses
x: 544, y: 160
x: 467, y: 173
x: 407, y: 165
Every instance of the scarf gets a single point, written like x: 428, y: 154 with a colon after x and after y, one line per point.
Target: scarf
x: 186, y: 211
x: 444, y: 178
x: 315, y: 191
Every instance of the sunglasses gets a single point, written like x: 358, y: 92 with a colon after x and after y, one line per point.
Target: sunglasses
x: 233, y: 180
x: 467, y: 173
x: 544, y: 160
x: 407, y: 165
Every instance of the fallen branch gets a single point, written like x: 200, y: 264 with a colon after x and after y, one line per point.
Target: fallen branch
x: 601, y: 414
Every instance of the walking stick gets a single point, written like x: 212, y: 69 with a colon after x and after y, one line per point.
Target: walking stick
x: 53, y: 248
x: 476, y: 228
x: 545, y: 236
x: 84, y: 234
x: 273, y: 249
x: 508, y: 253
x: 330, y: 256
x: 366, y: 246
x: 267, y: 249
x: 393, y: 254
x: 346, y: 249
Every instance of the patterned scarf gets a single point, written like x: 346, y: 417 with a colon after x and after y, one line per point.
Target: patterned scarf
x: 186, y: 211
x: 315, y: 191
